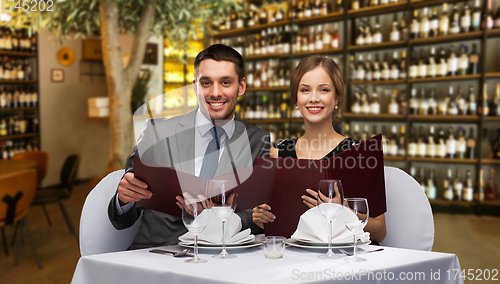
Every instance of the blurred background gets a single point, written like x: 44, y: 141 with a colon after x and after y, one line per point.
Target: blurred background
x: 423, y: 73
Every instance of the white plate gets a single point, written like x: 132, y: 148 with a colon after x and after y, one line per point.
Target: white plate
x: 253, y: 243
x: 301, y: 244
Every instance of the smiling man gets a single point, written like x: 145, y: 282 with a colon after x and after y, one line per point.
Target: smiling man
x: 218, y: 83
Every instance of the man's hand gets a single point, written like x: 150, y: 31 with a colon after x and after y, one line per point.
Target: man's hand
x: 132, y: 189
x: 262, y: 215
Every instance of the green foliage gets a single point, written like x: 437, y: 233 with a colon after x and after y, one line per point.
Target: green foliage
x: 141, y: 86
x: 177, y: 20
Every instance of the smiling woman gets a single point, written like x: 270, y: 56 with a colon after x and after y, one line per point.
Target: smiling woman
x: 317, y: 89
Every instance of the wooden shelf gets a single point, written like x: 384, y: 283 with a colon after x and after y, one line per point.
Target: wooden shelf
x: 383, y: 45
x: 105, y: 118
x: 492, y: 118
x: 256, y: 121
x: 445, y: 78
x: 230, y: 33
x: 394, y: 158
x: 492, y: 75
x: 268, y: 89
x: 429, y: 3
x: 2, y: 81
x: 491, y: 161
x: 493, y: 32
x: 381, y: 82
x: 331, y: 17
x: 9, y: 137
x: 314, y: 52
x: 447, y: 38
x: 17, y: 53
x: 442, y: 160
x: 362, y: 116
x: 452, y: 202
x: 14, y: 109
x: 445, y: 118
x: 378, y: 10
x: 266, y: 26
x: 267, y: 55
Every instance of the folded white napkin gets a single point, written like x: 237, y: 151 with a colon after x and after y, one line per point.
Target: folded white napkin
x: 313, y: 227
x: 213, y: 232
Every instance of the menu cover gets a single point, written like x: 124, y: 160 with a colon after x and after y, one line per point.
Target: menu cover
x: 167, y: 183
x: 279, y: 182
x: 360, y: 168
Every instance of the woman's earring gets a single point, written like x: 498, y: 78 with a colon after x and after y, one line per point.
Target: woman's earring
x: 336, y: 106
x: 296, y: 106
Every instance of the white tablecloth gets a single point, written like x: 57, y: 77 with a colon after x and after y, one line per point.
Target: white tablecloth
x: 250, y: 266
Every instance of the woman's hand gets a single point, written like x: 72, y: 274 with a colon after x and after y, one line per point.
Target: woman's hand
x: 261, y: 215
x: 313, y: 201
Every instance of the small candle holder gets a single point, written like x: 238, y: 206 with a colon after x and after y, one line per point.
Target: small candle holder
x: 274, y: 247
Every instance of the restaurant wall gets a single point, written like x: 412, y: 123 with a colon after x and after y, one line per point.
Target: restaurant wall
x: 65, y: 127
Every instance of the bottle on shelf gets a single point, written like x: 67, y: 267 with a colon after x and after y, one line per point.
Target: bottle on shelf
x: 395, y: 32
x: 360, y: 38
x: 414, y: 103
x: 432, y: 63
x: 441, y: 147
x: 484, y: 108
x: 413, y: 70
x: 434, y: 23
x: 451, y: 145
x: 422, y: 65
x: 402, y: 143
x: 448, y: 186
x: 421, y: 145
x: 466, y: 19
x: 431, y: 143
x: 452, y: 62
x: 386, y: 69
x: 377, y: 72
x: 430, y: 189
x: 471, y: 145
x: 360, y: 68
x: 377, y: 32
x: 424, y: 28
x: 403, y: 28
x: 433, y: 104
x: 471, y: 102
x: 374, y: 103
x: 394, y: 73
x: 368, y: 32
x: 468, y: 192
x: 454, y: 21
x: 473, y: 60
x: 452, y: 103
x: 476, y: 16
x: 394, y: 142
x: 393, y: 104
x: 335, y: 37
x: 458, y: 186
x: 461, y: 102
x: 423, y: 107
x: 497, y: 18
x: 463, y: 61
x: 443, y: 64
x: 479, y: 196
x: 491, y: 192
x: 422, y: 179
x: 368, y: 68
x: 444, y: 21
x: 461, y: 144
x: 415, y: 25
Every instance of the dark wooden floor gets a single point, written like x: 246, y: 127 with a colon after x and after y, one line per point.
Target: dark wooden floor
x: 476, y: 241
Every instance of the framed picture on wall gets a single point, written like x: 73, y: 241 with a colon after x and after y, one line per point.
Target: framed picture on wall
x: 57, y: 75
x: 151, y: 54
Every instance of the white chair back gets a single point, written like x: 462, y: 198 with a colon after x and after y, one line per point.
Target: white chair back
x: 409, y: 219
x: 97, y: 234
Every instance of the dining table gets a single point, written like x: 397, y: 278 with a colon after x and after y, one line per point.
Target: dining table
x: 298, y: 265
x: 11, y: 166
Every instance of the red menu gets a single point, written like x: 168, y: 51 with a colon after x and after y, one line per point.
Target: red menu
x: 279, y: 182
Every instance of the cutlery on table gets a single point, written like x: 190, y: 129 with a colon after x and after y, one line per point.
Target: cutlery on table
x: 351, y: 254
x: 174, y: 253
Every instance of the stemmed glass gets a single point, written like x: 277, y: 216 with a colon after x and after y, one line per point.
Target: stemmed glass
x: 360, y: 207
x: 330, y: 203
x: 223, y: 203
x: 195, y: 218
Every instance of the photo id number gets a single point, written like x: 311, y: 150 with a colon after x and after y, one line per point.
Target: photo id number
x: 473, y: 274
x: 27, y: 5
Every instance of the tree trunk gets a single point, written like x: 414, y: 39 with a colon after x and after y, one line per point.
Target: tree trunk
x: 119, y: 88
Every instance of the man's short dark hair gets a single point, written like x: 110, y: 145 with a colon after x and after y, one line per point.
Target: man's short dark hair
x: 220, y: 52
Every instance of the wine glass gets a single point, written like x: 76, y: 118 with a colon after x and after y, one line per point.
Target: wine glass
x: 223, y: 203
x: 360, y: 207
x: 195, y: 218
x: 330, y: 203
